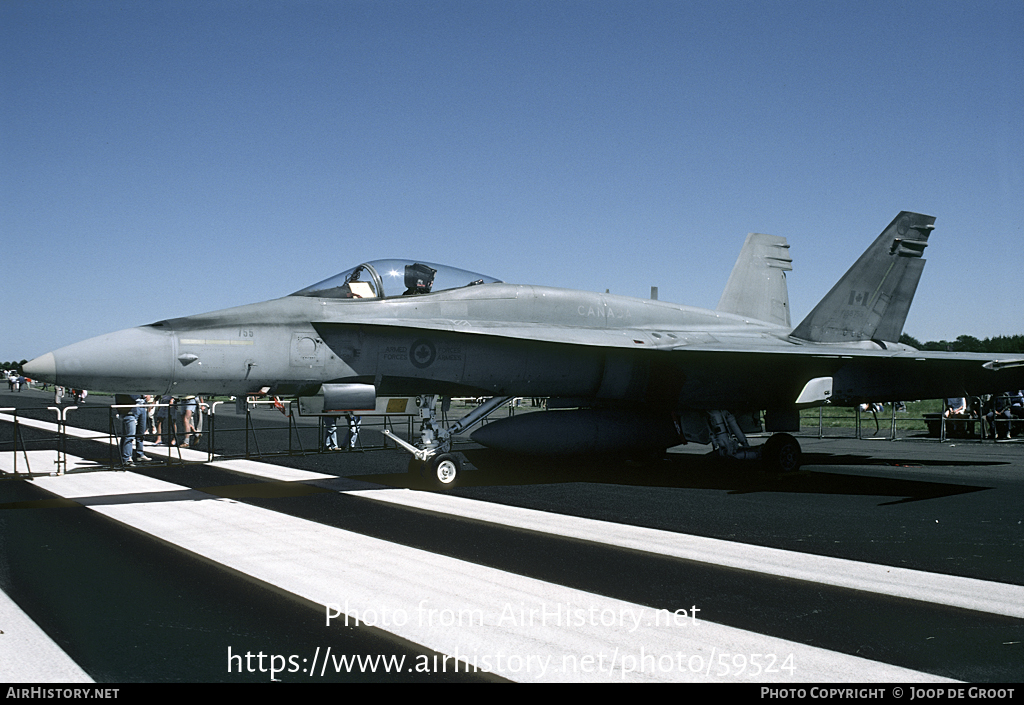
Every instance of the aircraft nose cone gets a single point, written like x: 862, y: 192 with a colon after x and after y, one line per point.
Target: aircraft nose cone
x: 42, y: 368
x: 132, y: 360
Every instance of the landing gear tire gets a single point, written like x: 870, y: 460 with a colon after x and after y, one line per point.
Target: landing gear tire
x: 443, y: 470
x: 781, y: 454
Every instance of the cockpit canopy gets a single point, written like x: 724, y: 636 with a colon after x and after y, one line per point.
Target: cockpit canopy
x: 393, y: 277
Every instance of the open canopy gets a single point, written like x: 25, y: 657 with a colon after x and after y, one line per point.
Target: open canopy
x: 393, y: 277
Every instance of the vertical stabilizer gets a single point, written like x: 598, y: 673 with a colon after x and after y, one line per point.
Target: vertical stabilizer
x: 757, y: 285
x: 873, y: 298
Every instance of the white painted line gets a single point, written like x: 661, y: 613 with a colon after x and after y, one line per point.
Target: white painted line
x: 242, y: 466
x: 28, y: 655
x: 966, y: 593
x: 40, y: 461
x: 955, y: 591
x: 50, y: 426
x: 517, y: 627
x: 271, y: 472
x: 176, y: 453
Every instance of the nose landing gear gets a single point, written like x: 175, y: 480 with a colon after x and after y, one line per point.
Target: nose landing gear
x: 432, y: 457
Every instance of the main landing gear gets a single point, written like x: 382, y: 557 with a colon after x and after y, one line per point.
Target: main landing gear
x: 779, y: 454
x: 432, y: 456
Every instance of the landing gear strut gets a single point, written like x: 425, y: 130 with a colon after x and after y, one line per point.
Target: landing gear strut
x: 432, y: 456
x: 779, y: 454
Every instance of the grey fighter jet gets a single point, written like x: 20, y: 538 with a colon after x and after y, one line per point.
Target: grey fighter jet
x: 620, y: 374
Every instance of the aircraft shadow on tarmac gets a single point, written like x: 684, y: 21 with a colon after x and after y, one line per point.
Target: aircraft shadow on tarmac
x: 487, y: 468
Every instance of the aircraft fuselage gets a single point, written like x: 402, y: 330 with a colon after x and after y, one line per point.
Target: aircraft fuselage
x: 502, y: 339
x: 483, y: 340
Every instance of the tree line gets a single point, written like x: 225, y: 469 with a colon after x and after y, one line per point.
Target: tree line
x: 13, y: 366
x: 968, y: 343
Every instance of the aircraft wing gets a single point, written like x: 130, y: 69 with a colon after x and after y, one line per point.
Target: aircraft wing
x: 757, y: 341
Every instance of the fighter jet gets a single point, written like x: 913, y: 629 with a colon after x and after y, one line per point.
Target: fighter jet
x: 621, y: 374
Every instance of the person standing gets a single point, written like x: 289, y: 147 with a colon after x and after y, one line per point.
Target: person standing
x: 130, y: 414
x: 331, y: 426
x: 189, y: 407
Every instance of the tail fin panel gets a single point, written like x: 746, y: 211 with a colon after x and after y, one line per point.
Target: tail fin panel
x: 872, y: 299
x: 757, y: 285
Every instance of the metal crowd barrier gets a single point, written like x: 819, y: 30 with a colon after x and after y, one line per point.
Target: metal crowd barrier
x: 856, y: 423
x: 971, y: 426
x: 21, y: 465
x: 17, y: 444
x: 172, y: 450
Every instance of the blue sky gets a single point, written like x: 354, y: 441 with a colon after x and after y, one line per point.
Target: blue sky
x: 165, y: 158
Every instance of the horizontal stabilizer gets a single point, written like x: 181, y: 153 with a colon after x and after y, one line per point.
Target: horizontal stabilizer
x: 873, y: 298
x: 757, y: 285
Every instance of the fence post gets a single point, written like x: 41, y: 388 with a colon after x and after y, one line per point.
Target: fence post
x: 17, y: 438
x: 62, y: 437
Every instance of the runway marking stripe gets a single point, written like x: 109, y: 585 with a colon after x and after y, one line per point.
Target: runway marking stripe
x: 246, y: 467
x: 50, y: 426
x: 938, y: 588
x: 955, y: 591
x: 41, y: 461
x: 28, y: 654
x: 372, y: 577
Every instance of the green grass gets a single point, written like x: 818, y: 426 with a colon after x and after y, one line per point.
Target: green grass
x: 846, y: 417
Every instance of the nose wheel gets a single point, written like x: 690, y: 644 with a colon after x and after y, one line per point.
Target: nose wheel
x: 444, y: 469
x: 441, y: 471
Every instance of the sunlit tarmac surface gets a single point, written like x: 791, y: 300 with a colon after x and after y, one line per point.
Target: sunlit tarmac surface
x: 154, y: 574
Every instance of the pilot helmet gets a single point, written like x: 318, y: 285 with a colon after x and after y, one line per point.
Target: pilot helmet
x: 419, y: 278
